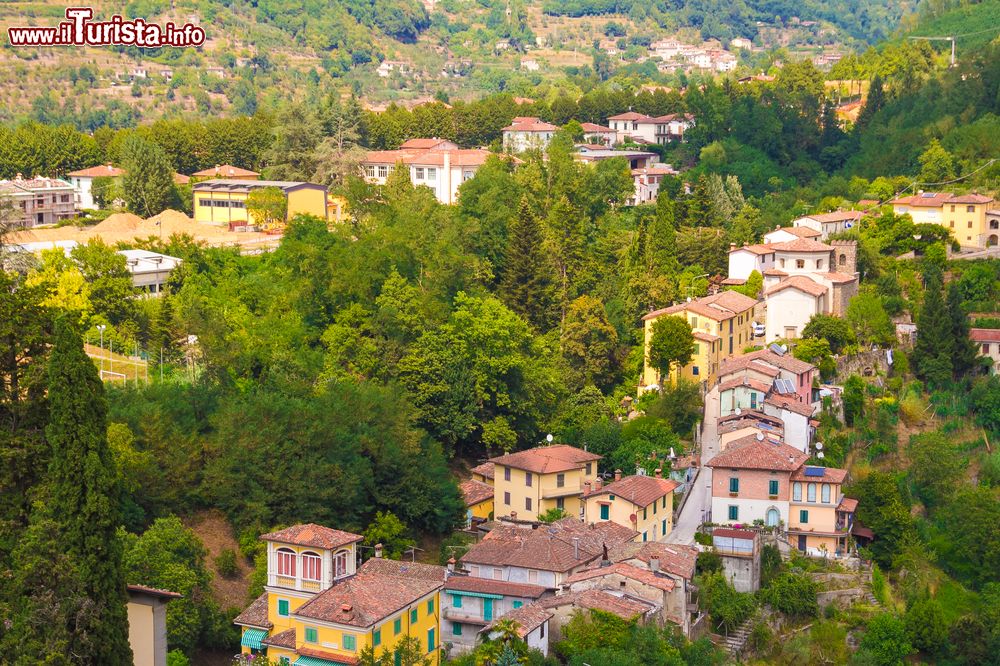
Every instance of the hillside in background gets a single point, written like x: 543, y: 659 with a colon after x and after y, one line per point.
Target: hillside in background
x: 259, y: 53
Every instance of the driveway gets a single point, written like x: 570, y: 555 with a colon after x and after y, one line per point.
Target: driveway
x: 699, y: 504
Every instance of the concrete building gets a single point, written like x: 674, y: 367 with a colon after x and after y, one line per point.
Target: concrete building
x: 594, y: 133
x: 83, y: 179
x: 830, y: 223
x: 150, y: 270
x: 224, y: 202
x: 740, y: 554
x: 435, y: 163
x: 36, y: 201
x: 640, y: 128
x: 147, y: 624
x: 528, y: 133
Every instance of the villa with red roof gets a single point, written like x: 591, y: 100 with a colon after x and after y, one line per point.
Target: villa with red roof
x: 969, y: 217
x: 644, y: 504
x: 528, y: 483
x: 528, y: 133
x: 828, y: 224
x: 83, y: 180
x: 640, y: 128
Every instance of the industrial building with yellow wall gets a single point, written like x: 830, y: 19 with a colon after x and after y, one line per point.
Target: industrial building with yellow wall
x: 224, y: 202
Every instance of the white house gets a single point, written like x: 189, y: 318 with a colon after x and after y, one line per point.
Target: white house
x: 745, y: 260
x: 642, y: 128
x: 83, y: 179
x: 150, y: 270
x: 528, y: 132
x: 830, y: 223
x: 435, y: 163
x: 647, y: 182
x: 782, y: 234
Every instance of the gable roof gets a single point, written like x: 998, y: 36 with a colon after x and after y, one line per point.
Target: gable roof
x: 623, y: 606
x: 799, y: 283
x: 720, y: 307
x: 640, y: 490
x: 756, y: 360
x: 529, y: 124
x: 751, y: 453
x: 632, y: 115
x: 528, y: 618
x: 474, y: 491
x: 547, y: 459
x: 801, y: 245
x: 819, y: 474
x: 490, y: 586
x: 936, y: 199
x: 310, y: 534
x: 98, y: 171
x: 836, y: 216
x: 985, y: 334
x: 484, y: 470
x: 224, y: 171
x: 423, y: 144
x: 801, y: 232
x: 387, y: 567
x: 756, y: 248
x: 676, y: 559
x: 789, y: 404
x: 594, y: 127
x: 255, y: 615
x: 626, y: 570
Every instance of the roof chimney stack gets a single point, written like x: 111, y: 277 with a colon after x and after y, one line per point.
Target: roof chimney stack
x: 618, y: 475
x: 576, y: 548
x: 513, y: 515
x: 654, y: 564
x: 378, y: 550
x: 451, y: 565
x: 659, y: 473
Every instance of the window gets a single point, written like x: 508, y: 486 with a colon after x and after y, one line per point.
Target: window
x: 527, y: 504
x: 663, y: 527
x: 370, y: 170
x: 383, y: 171
x: 643, y: 537
x: 953, y: 209
x: 826, y: 493
x: 430, y: 607
x: 803, y: 516
x: 561, y: 503
x: 431, y: 174
x: 664, y: 503
x: 811, y: 492
x: 772, y: 487
x: 517, y: 604
x: 654, y: 507
x: 456, y: 628
x: 734, y: 512
x: 466, y: 175
x: 377, y: 638
x: 506, y: 473
x: 644, y: 514
x: 497, y: 574
x: 430, y: 640
x: 340, y: 564
x: 350, y: 642
x: 611, y: 498
x: 986, y: 348
x: 286, y: 562
x: 456, y: 601
x: 587, y: 469
x: 419, y: 173
x: 970, y: 209
x: 734, y: 484
x: 796, y: 492
x: 283, y: 607
x: 413, y: 616
x: 311, y: 565
x: 694, y: 370
x: 532, y: 576
x: 312, y: 636
x: 782, y: 263
x: 819, y: 264
x: 843, y: 260
x: 397, y: 626
x: 542, y: 629
x: 527, y: 479
x: 560, y: 480
x: 605, y: 512
x: 800, y: 263
x: 506, y: 498
x: 952, y: 224
x: 970, y: 224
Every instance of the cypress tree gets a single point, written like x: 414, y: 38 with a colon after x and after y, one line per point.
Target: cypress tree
x: 526, y: 286
x: 84, y: 501
x: 934, y: 346
x: 964, y: 355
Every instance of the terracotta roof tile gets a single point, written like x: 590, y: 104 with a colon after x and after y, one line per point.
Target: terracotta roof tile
x: 705, y: 337
x: 528, y: 618
x: 970, y: 199
x: 154, y: 591
x: 848, y: 505
x: 529, y: 124
x: 789, y: 404
x: 328, y: 656
x: 835, y: 276
x: 475, y: 492
x: 750, y: 415
x: 593, y: 127
x: 830, y: 474
x: 760, y: 357
x: 310, y: 534
x: 490, y: 586
x: 644, y: 576
x: 756, y: 248
x: 98, y: 171
x: 720, y: 307
x: 640, y: 490
x: 255, y: 615
x: 285, y: 639
x: 423, y: 144
x: 837, y: 216
x: 632, y: 115
x: 750, y: 453
x: 547, y: 459
x: 622, y: 606
x: 985, y: 334
x: 801, y: 232
x: 403, y: 569
x: 799, y: 282
x: 485, y: 470
x: 923, y: 200
x: 774, y: 272
x: 675, y: 559
x: 745, y: 381
x: 224, y: 171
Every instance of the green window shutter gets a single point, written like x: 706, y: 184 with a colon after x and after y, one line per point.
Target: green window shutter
x: 663, y: 527
x: 456, y: 628
x: 377, y: 638
x: 772, y: 487
x: 734, y: 485
x: 644, y: 514
x: 350, y: 642
x: 803, y: 516
x: 734, y: 512
x: 284, y: 661
x: 430, y: 607
x: 283, y: 607
x: 397, y: 625
x: 517, y: 604
x: 430, y: 640
x: 413, y: 616
x: 398, y: 659
x: 605, y: 511
x: 456, y: 600
x: 311, y: 635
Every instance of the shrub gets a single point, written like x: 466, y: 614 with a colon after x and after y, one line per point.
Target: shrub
x: 709, y: 562
x: 793, y: 594
x: 225, y: 563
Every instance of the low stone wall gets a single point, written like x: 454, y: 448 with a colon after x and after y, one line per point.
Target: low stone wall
x: 840, y: 598
x: 866, y: 364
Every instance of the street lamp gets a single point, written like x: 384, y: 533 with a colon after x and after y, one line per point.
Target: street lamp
x: 101, y: 327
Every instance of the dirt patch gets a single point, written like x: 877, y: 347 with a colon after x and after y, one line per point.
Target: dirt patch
x: 215, y: 532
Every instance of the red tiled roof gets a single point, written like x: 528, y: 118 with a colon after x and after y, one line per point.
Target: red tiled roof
x: 310, y: 534
x: 837, y: 216
x: 387, y: 567
x: 485, y: 470
x: 924, y: 199
x: 756, y: 248
x: 733, y: 534
x: 848, y: 505
x: 285, y: 639
x: 744, y: 381
x: 632, y: 115
x: 985, y: 334
x: 181, y: 179
x: 490, y: 586
x: 644, y: 576
x: 640, y: 490
x: 328, y: 656
x: 751, y: 453
x: 624, y: 607
x: 705, y: 337
x: 529, y: 124
x: 422, y: 144
x: 547, y: 459
x: 98, y: 171
x: 154, y: 592
x: 761, y: 356
x: 528, y: 618
x: 673, y: 558
x: 835, y: 276
x: 774, y: 272
x: 970, y: 199
x: 801, y: 232
x: 790, y: 404
x: 830, y: 474
x: 255, y: 615
x: 720, y: 307
x: 366, y: 598
x: 799, y: 282
x: 801, y: 245
x: 475, y: 492
x: 751, y: 415
x: 593, y: 127
x: 224, y: 171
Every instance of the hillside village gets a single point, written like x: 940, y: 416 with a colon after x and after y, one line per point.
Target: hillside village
x: 696, y: 365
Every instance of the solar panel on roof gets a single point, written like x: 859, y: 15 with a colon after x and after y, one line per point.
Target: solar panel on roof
x: 815, y: 471
x: 784, y: 386
x: 928, y: 195
x: 777, y: 349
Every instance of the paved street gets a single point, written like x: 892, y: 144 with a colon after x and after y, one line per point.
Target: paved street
x: 700, y: 502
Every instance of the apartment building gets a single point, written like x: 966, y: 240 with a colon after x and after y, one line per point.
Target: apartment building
x: 640, y: 128
x: 38, y: 200
x: 83, y: 181
x: 643, y: 504
x: 435, y: 163
x: 531, y: 482
x: 528, y: 133
x: 470, y: 603
x: 964, y: 215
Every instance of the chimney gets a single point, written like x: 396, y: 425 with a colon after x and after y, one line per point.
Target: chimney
x: 598, y: 484
x: 654, y: 564
x: 451, y: 565
x: 586, y: 487
x: 658, y: 473
x: 576, y: 548
x: 618, y: 475
x: 732, y: 247
x: 378, y: 550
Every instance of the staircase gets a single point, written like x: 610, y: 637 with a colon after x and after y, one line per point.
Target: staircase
x: 736, y: 640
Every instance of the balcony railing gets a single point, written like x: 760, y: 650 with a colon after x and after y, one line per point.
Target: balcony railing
x: 456, y: 615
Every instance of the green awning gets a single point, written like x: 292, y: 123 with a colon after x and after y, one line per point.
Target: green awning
x: 482, y: 595
x: 312, y: 661
x: 252, y: 638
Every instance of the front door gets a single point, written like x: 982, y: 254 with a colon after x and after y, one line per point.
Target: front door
x: 802, y: 542
x: 488, y: 610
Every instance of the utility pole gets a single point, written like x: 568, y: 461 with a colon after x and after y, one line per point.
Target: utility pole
x: 941, y: 39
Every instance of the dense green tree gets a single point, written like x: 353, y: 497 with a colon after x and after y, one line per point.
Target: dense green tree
x: 933, y: 350
x: 389, y: 531
x: 672, y: 344
x: 885, y: 642
x: 794, y: 595
x: 589, y: 342
x: 268, y: 206
x: 885, y: 510
x: 869, y: 321
x: 936, y: 164
x: 526, y: 285
x: 148, y: 183
x: 834, y: 330
x: 964, y: 352
x: 926, y: 626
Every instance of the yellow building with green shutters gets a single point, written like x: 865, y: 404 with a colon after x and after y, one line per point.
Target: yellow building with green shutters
x: 318, y: 610
x: 224, y: 201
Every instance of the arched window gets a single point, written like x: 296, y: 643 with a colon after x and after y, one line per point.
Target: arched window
x: 772, y: 517
x: 340, y: 564
x: 843, y: 260
x: 311, y: 566
x: 286, y: 562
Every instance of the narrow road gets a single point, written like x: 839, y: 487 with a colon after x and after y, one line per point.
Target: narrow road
x: 699, y: 504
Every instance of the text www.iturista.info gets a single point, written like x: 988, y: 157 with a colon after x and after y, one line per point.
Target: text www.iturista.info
x: 79, y: 30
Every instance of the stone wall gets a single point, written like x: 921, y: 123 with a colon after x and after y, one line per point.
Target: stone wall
x: 866, y: 364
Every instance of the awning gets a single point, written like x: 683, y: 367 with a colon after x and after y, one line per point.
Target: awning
x: 311, y: 661
x: 252, y: 638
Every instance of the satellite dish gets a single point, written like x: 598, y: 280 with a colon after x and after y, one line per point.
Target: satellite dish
x: 820, y: 455
x: 633, y: 518
x: 738, y: 411
x: 819, y: 446
x: 548, y: 438
x: 760, y: 437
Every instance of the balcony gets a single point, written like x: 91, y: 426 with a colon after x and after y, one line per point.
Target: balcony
x: 296, y: 583
x: 565, y: 491
x: 456, y: 615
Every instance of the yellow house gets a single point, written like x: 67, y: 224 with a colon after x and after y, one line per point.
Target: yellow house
x: 478, y: 501
x: 641, y: 503
x: 819, y: 515
x: 722, y: 325
x: 147, y: 624
x: 224, y: 202
x: 533, y: 481
x: 963, y: 214
x: 484, y: 473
